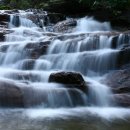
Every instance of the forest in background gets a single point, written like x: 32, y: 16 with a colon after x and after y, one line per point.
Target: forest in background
x: 67, y: 6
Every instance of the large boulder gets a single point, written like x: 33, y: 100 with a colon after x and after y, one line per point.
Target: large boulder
x: 69, y: 79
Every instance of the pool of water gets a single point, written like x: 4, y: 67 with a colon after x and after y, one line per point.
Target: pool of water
x: 65, y: 119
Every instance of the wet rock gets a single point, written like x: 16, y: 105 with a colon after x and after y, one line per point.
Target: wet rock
x: 40, y: 20
x: 3, y: 32
x: 66, y: 78
x: 36, y: 50
x: 69, y: 79
x: 10, y: 95
x: 44, y: 19
x: 11, y: 11
x: 125, y: 89
x: 4, y: 17
x: 115, y: 42
x: 2, y: 36
x: 122, y: 100
x: 119, y: 81
x: 65, y: 26
x: 124, y: 56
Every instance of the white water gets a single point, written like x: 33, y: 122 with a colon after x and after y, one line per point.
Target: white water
x: 88, y: 24
x: 108, y: 113
x: 92, y: 56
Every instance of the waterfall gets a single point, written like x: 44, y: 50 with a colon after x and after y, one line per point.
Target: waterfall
x: 91, y: 55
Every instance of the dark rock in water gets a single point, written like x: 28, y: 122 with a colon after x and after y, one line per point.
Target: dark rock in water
x: 26, y: 64
x: 11, y: 11
x: 65, y: 26
x: 10, y: 95
x: 3, y: 33
x: 114, y: 42
x: 119, y: 81
x: 4, y: 17
x: 39, y: 17
x: 66, y: 78
x: 45, y: 19
x: 40, y: 20
x: 125, y: 89
x: 16, y: 21
x: 70, y: 79
x: 35, y: 50
x: 123, y: 57
x: 122, y: 100
x: 2, y: 36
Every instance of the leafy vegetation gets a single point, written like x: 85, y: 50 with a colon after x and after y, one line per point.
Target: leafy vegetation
x: 108, y: 4
x: 117, y: 5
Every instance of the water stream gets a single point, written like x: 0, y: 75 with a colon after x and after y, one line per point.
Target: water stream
x: 61, y: 108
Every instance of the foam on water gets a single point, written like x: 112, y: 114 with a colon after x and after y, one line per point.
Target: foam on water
x: 88, y: 24
x: 108, y: 113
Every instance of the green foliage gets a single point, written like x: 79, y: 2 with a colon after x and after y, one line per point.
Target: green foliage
x: 107, y: 4
x: 116, y: 5
x: 13, y: 3
x: 24, y: 5
x: 3, y: 7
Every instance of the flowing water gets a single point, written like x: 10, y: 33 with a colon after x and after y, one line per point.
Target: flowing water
x: 60, y: 108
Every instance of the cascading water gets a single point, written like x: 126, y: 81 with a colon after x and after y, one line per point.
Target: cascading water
x: 88, y: 50
x: 91, y: 56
